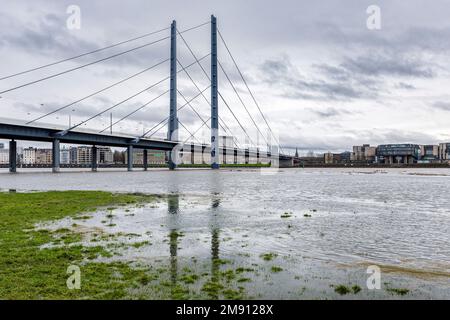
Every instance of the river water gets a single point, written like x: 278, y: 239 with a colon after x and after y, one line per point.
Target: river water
x: 321, y: 227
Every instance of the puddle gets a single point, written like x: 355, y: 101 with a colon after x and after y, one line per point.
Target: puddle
x: 257, y: 252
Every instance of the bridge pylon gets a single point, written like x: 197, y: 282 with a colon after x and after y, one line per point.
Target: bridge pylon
x: 214, y: 97
x: 172, y: 134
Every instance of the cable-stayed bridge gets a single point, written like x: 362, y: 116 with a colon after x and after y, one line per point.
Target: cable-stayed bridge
x: 35, y: 129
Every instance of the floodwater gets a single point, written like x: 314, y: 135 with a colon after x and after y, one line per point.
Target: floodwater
x: 317, y: 228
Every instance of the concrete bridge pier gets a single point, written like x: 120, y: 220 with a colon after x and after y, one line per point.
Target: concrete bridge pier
x: 55, y: 156
x: 94, y: 165
x: 203, y: 154
x: 258, y: 159
x: 145, y: 159
x: 130, y: 158
x: 12, y: 156
x: 235, y: 156
x: 247, y: 156
x: 286, y: 163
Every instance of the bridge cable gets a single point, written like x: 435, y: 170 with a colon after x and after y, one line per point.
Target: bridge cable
x: 117, y: 104
x: 204, y: 71
x: 188, y: 66
x: 167, y: 118
x: 110, y: 86
x: 195, y: 84
x: 240, y: 99
x: 190, y: 105
x: 134, y: 111
x: 205, y: 122
x: 189, y: 132
x: 97, y: 92
x: 88, y: 64
x: 96, y: 50
x: 82, y: 54
x: 84, y: 65
x: 207, y: 76
x: 243, y: 129
x: 207, y: 101
x: 248, y: 88
x: 224, y: 126
x: 198, y: 129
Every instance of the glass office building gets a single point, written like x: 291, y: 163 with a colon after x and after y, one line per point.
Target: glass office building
x: 398, y: 153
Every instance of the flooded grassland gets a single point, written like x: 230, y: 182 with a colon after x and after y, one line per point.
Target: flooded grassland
x: 298, y: 234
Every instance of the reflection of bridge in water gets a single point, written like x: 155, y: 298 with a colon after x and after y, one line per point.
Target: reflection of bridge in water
x: 173, y: 205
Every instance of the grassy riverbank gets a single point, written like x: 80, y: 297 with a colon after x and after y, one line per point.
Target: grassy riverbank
x: 34, y: 260
x: 28, y: 272
x: 43, y: 233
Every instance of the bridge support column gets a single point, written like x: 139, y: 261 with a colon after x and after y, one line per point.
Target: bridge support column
x: 224, y: 154
x: 145, y: 159
x: 235, y: 156
x: 286, y: 163
x: 258, y: 160
x: 130, y: 158
x: 203, y: 154
x: 94, y: 164
x: 13, y: 156
x: 214, y: 98
x: 172, y: 134
x: 55, y: 156
x: 247, y: 156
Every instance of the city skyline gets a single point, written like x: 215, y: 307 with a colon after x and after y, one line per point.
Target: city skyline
x: 366, y: 153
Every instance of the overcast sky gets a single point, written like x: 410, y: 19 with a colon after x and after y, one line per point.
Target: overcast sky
x: 323, y: 79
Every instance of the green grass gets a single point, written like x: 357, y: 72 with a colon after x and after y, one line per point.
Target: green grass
x: 276, y: 269
x: 343, y: 289
x: 356, y: 289
x: 137, y: 245
x: 189, y: 278
x: 398, y: 291
x: 268, y: 256
x: 29, y: 272
x: 286, y: 215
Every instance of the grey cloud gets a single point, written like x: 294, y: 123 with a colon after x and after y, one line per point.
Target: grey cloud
x: 387, y: 64
x: 441, y: 105
x: 47, y: 35
x: 329, y: 112
x: 359, y: 77
x: 337, y: 85
x: 406, y: 86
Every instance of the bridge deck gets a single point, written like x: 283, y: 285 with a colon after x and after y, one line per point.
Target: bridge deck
x: 17, y: 130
